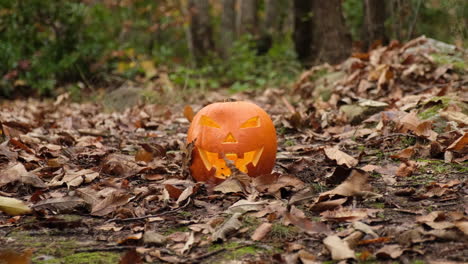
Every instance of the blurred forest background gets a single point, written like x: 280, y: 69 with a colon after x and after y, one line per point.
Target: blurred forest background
x: 49, y: 47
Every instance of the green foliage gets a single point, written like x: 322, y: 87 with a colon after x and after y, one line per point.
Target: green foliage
x: 244, y: 70
x: 354, y: 16
x: 45, y: 42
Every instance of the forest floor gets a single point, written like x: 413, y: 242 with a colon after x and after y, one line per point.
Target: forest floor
x: 371, y: 167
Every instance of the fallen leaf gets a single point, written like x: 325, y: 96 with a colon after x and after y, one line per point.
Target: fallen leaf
x: 261, y: 231
x: 230, y: 185
x: 243, y: 206
x: 189, y: 244
x: 188, y: 113
x: 460, y: 145
x: 60, y: 204
x: 406, y: 168
x: 340, y: 157
x: 110, y: 203
x: 305, y: 224
x: 153, y: 237
x: 389, y: 251
x: 228, y: 227
x: 13, y: 206
x: 338, y: 248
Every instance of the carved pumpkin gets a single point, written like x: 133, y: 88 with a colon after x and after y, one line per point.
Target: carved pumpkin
x: 238, y: 131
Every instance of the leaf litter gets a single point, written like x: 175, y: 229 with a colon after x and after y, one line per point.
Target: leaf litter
x: 371, y: 166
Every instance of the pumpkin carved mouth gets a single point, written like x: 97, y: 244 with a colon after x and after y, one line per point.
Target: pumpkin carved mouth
x: 216, y: 160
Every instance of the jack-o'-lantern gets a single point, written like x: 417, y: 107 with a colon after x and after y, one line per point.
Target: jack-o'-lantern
x: 238, y: 131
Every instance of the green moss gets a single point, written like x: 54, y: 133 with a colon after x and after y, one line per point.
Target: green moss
x: 185, y: 214
x: 378, y: 205
x: 459, y: 64
x: 279, y: 231
x: 290, y: 142
x: 430, y: 112
x: 176, y: 229
x: 235, y: 250
x: 85, y: 258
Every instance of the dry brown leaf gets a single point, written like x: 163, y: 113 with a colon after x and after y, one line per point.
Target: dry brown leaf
x: 460, y: 145
x: 61, y: 204
x: 173, y: 191
x: 340, y: 157
x: 389, y: 251
x: 347, y: 215
x: 243, y: 206
x: 228, y: 227
x: 338, y: 248
x: 406, y: 168
x: 188, y: 113
x: 261, y: 231
x: 17, y: 172
x: 230, y: 185
x: 305, y: 224
x: 110, y: 203
x: 404, y: 154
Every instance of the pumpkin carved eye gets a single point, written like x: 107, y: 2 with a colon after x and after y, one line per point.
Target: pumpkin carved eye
x: 206, y: 121
x: 252, y: 122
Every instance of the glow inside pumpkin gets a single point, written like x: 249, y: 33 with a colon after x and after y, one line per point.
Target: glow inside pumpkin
x: 238, y: 131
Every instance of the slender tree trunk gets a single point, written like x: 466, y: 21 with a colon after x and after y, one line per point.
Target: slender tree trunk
x: 201, y: 32
x: 273, y: 16
x: 228, y: 26
x: 331, y: 41
x: 247, y: 17
x: 303, y: 29
x: 374, y: 23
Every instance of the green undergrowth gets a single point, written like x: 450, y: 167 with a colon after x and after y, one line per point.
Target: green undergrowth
x: 236, y: 250
x: 85, y: 258
x: 51, y: 247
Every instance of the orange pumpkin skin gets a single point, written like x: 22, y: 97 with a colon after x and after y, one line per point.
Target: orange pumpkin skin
x: 238, y: 131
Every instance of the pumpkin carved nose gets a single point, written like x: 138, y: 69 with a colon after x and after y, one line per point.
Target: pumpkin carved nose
x: 229, y: 139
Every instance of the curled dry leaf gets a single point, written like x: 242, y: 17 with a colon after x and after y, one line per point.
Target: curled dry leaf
x: 347, y: 214
x: 60, y: 204
x: 228, y: 227
x: 460, y: 145
x: 13, y: 206
x: 243, y: 206
x: 338, y: 248
x: 389, y: 251
x: 305, y: 224
x: 188, y: 113
x: 406, y: 168
x: 17, y: 172
x: 261, y: 231
x: 340, y: 157
x: 110, y: 203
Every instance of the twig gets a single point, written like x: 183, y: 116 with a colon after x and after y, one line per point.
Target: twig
x: 288, y: 105
x: 207, y: 255
x: 416, y: 13
x: 142, y: 217
x: 115, y: 248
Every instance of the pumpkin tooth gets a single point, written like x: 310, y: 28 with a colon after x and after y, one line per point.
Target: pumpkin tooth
x: 257, y: 155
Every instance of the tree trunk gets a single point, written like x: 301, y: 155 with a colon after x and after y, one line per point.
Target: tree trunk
x: 228, y: 26
x: 374, y: 23
x: 247, y: 17
x: 331, y: 41
x: 273, y: 16
x: 303, y: 29
x: 201, y: 32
